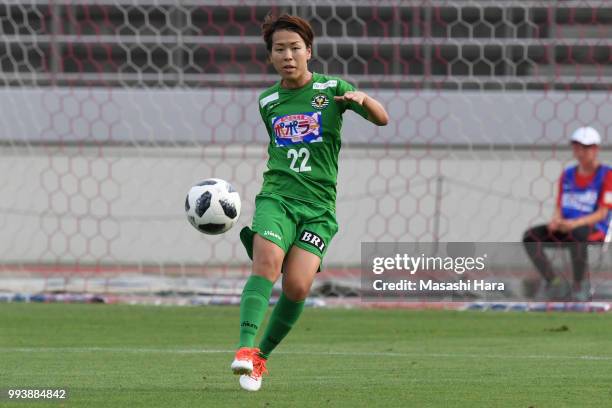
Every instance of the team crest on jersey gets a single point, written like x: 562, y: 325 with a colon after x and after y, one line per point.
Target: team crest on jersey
x: 319, y: 101
x: 297, y: 128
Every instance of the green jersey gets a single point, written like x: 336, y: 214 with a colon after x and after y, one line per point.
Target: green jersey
x: 304, y: 127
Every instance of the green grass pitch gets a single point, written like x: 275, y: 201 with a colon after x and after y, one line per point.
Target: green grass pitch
x: 140, y: 356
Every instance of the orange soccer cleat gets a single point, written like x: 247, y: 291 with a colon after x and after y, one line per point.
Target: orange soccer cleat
x: 243, y: 360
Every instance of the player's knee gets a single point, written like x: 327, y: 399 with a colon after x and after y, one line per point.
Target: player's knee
x: 580, y: 234
x: 531, y: 235
x: 297, y: 292
x: 267, y: 265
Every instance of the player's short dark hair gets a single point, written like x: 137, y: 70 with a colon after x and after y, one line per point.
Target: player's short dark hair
x: 287, y: 22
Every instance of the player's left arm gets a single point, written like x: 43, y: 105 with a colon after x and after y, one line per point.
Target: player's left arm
x: 376, y: 112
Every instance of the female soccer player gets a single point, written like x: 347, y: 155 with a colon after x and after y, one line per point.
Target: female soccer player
x: 294, y: 219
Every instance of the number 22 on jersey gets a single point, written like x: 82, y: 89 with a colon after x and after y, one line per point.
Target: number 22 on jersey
x: 299, y: 160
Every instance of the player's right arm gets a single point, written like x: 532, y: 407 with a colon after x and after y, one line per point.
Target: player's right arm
x: 263, y: 117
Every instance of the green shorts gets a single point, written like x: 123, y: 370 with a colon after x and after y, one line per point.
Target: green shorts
x: 288, y: 221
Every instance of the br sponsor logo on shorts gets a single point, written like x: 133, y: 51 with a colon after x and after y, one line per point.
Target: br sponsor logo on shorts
x: 312, y: 239
x: 298, y: 128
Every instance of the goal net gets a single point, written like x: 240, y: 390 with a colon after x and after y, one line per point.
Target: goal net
x: 111, y: 110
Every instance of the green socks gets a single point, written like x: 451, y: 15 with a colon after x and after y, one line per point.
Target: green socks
x: 285, y: 314
x: 253, y: 306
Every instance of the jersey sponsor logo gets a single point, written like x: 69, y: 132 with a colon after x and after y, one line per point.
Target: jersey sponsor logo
x: 608, y: 197
x: 297, y: 128
x: 332, y: 83
x: 582, y: 201
x: 319, y: 101
x: 312, y: 239
x: 272, y: 97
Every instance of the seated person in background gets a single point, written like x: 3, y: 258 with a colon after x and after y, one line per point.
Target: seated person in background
x: 580, y: 217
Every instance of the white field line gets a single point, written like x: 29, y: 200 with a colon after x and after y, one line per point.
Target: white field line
x: 139, y: 350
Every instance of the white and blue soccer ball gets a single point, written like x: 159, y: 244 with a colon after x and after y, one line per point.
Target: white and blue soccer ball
x: 212, y: 206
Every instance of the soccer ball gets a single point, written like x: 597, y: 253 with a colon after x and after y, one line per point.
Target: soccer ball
x: 212, y: 206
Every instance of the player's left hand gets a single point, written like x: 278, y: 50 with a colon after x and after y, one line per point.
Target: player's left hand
x: 354, y: 96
